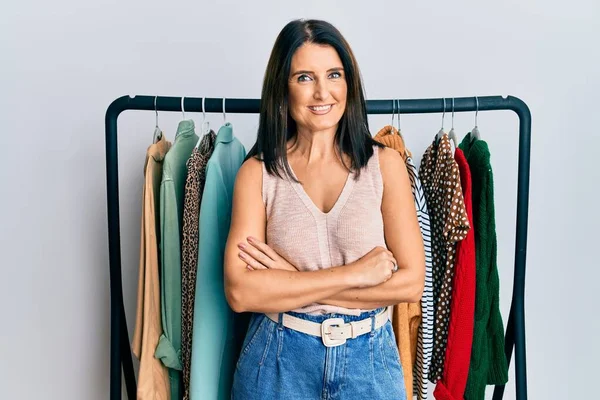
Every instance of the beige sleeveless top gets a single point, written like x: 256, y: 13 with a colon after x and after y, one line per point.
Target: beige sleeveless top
x: 311, y: 239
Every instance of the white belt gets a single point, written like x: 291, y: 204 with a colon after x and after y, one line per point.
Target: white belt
x: 333, y: 331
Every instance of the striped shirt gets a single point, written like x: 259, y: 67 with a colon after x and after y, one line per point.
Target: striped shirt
x: 425, y: 338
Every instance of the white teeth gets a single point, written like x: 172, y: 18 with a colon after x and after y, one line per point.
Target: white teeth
x: 320, y: 108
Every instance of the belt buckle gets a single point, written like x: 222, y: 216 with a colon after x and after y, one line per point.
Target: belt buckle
x: 325, y: 332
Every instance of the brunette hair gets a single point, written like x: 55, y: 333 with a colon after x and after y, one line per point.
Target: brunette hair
x: 276, y: 126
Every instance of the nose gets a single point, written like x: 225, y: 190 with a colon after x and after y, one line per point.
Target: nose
x: 321, y: 90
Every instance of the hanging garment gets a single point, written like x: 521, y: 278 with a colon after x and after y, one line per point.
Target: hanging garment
x: 460, y: 330
x: 171, y: 215
x: 441, y: 183
x: 413, y: 323
x: 153, y: 377
x: 488, y: 362
x: 194, y: 186
x: 391, y: 137
x: 215, y: 342
x: 298, y: 230
x: 425, y: 330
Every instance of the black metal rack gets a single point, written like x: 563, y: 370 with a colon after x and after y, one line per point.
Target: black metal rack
x: 120, y: 353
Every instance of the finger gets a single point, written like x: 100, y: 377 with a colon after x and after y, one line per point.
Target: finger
x: 251, y: 261
x: 257, y: 254
x: 265, y: 248
x: 390, y: 256
x: 384, y: 249
x: 385, y: 252
x: 394, y: 265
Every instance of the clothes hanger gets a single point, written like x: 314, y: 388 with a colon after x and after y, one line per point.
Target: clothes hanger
x: 182, y: 115
x: 475, y: 135
x: 451, y: 134
x: 389, y: 129
x: 225, y: 122
x: 393, y: 116
x: 406, y: 152
x: 399, y: 126
x: 205, y: 123
x: 157, y: 132
x: 205, y: 126
x: 441, y: 132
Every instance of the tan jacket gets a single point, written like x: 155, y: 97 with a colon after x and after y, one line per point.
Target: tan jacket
x: 153, y: 380
x: 406, y: 317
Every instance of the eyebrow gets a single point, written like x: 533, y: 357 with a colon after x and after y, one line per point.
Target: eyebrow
x: 312, y: 72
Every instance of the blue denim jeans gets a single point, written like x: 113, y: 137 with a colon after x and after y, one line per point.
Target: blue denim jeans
x: 281, y: 363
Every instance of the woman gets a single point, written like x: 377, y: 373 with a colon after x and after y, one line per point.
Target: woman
x: 329, y: 201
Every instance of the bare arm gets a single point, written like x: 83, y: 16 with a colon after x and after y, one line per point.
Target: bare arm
x: 403, y: 238
x: 273, y: 290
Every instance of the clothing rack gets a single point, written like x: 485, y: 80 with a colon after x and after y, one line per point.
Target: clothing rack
x: 120, y: 353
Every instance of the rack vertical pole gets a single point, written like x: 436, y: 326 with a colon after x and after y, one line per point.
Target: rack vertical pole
x: 515, y: 330
x: 119, y: 339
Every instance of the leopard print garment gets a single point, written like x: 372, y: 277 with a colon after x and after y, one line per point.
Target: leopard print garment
x: 194, y: 186
x: 441, y: 183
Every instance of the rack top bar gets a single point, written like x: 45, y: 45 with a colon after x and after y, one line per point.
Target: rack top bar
x: 251, y: 106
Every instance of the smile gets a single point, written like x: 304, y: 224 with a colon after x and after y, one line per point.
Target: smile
x: 320, y: 110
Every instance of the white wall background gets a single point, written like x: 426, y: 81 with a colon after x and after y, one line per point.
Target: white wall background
x: 63, y: 62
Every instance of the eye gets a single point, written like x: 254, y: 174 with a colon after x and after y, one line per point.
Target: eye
x: 301, y: 78
x: 335, y: 75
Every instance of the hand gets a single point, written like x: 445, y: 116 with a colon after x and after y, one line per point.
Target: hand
x: 375, y: 267
x: 259, y: 255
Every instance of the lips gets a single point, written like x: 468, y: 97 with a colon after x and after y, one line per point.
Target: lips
x: 320, y: 109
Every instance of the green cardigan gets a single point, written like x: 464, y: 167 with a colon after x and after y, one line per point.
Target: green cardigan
x: 488, y: 362
x: 172, y: 191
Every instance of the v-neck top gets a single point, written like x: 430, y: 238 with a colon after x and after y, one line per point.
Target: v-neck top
x: 311, y: 239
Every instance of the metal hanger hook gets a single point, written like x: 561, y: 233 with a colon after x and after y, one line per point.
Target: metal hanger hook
x: 453, y: 113
x: 443, y: 113
x: 182, y: 107
x: 398, y: 108
x: 476, y: 109
x: 224, y: 114
x: 205, y: 123
x: 156, y: 110
x: 393, y: 114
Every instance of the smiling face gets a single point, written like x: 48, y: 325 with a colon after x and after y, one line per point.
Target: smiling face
x: 317, y: 88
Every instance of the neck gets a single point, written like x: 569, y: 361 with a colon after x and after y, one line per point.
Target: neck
x: 315, y: 146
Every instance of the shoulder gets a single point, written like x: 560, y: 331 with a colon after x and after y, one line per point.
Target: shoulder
x: 387, y: 154
x: 248, y: 186
x: 250, y: 171
x: 391, y: 164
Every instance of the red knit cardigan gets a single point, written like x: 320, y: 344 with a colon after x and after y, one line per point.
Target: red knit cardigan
x: 462, y: 308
